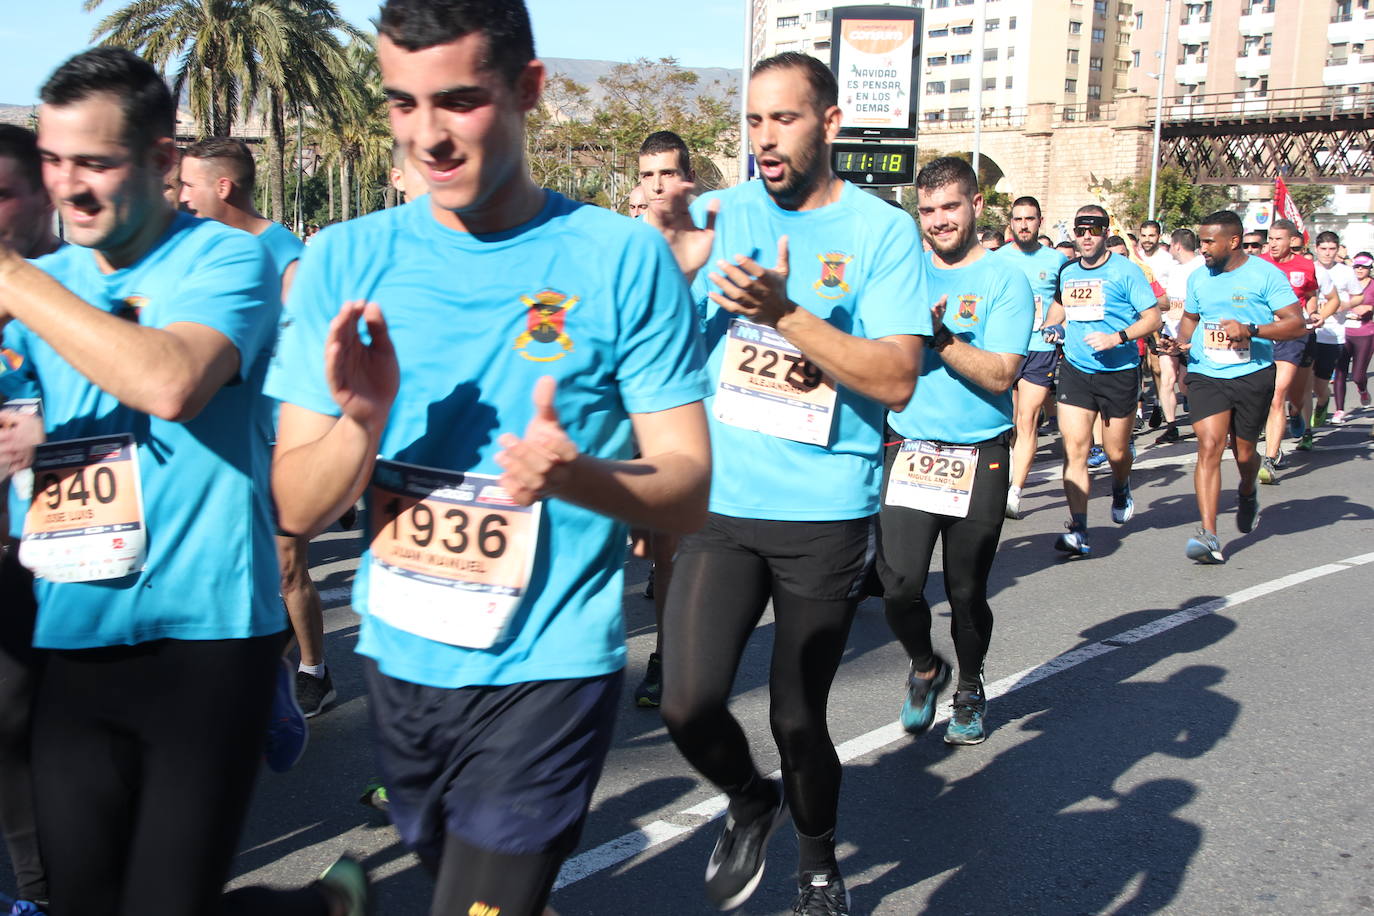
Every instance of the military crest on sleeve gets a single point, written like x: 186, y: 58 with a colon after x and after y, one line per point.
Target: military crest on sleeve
x: 831, y: 285
x: 968, y: 310
x: 545, y: 325
x: 130, y: 307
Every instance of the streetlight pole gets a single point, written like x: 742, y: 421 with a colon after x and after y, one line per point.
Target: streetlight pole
x: 979, y: 25
x: 746, y: 62
x: 1159, y: 102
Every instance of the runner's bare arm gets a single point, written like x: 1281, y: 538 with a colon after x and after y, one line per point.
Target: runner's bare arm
x: 1328, y: 306
x: 322, y: 462
x: 1186, y: 326
x: 20, y: 434
x: 666, y: 489
x: 169, y: 372
x: 1145, y: 324
x: 994, y: 372
x: 1289, y: 324
x: 884, y: 369
x: 690, y: 244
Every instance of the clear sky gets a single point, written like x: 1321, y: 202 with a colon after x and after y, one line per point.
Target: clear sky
x: 37, y: 35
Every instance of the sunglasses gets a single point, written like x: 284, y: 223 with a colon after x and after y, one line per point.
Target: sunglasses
x: 1255, y: 245
x: 1094, y: 231
x: 1363, y: 266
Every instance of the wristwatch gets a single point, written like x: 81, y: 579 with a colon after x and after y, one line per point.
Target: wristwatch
x: 941, y: 337
x: 1124, y: 338
x: 1253, y: 329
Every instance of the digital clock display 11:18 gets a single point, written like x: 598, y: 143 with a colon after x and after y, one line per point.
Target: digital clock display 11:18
x: 866, y: 161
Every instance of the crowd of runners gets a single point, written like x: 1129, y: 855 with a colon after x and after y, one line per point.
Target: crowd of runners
x: 789, y: 391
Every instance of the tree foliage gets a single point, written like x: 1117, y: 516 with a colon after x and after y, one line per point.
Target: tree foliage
x: 586, y: 144
x: 1179, y: 202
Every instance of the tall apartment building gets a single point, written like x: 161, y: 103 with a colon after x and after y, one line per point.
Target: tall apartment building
x: 1252, y: 47
x: 1070, y: 52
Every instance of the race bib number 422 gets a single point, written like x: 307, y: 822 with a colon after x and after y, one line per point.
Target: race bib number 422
x: 768, y: 386
x: 1084, y: 300
x: 85, y: 521
x: 451, y: 554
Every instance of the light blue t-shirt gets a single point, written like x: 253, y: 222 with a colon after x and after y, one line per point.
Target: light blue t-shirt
x: 579, y: 293
x: 211, y: 567
x: 990, y: 307
x: 856, y: 263
x: 281, y: 243
x: 1041, y: 268
x: 1250, y: 294
x: 1125, y: 294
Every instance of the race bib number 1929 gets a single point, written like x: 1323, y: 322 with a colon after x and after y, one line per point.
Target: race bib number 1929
x: 451, y: 554
x: 85, y: 521
x: 768, y: 386
x: 933, y: 478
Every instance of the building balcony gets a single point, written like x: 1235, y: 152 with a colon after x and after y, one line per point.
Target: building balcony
x: 1195, y: 32
x: 1190, y: 74
x: 1353, y: 72
x: 1357, y: 29
x: 1256, y: 24
x: 1253, y: 65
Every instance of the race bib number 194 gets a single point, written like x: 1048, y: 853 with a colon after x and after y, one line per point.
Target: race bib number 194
x: 451, y: 554
x: 85, y: 522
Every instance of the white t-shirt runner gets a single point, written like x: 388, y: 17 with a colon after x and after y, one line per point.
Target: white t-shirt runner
x: 1176, y: 289
x: 1342, y: 278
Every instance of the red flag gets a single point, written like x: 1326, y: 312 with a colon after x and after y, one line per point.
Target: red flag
x: 1285, y: 206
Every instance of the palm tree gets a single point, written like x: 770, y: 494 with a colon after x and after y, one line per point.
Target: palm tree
x: 364, y: 133
x: 231, y: 55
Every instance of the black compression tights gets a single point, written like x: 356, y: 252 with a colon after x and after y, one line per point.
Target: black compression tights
x: 716, y: 601
x: 906, y: 541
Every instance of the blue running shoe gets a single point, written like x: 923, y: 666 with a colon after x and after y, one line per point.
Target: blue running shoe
x: 348, y: 884
x: 1295, y: 427
x: 1097, y: 456
x: 1074, y: 542
x: 1204, y: 547
x: 918, y: 710
x: 966, y: 725
x: 1247, y: 511
x: 287, y: 732
x: 1123, y: 506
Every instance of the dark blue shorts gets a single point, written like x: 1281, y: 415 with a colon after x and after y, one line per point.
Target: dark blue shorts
x: 1038, y: 368
x: 509, y: 769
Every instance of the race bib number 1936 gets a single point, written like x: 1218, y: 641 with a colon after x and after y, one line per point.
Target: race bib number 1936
x: 451, y: 554
x: 85, y: 522
x: 768, y: 386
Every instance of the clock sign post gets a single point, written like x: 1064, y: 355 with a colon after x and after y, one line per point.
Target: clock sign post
x: 875, y: 53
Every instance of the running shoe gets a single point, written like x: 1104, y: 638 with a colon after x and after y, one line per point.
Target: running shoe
x: 966, y: 724
x: 1247, y: 511
x: 1097, y: 456
x: 287, y: 731
x: 736, y: 864
x: 1338, y: 418
x: 918, y: 710
x: 1013, y: 510
x: 348, y: 884
x: 1295, y: 426
x: 1305, y: 443
x: 1320, y: 415
x: 24, y: 908
x: 821, y: 893
x: 374, y: 795
x: 1364, y: 398
x: 1123, y: 506
x: 1204, y: 548
x: 1170, y: 434
x: 1156, y: 417
x: 1268, y: 472
x: 1074, y: 542
x: 1281, y: 460
x: 649, y: 585
x: 314, y: 693
x: 649, y: 693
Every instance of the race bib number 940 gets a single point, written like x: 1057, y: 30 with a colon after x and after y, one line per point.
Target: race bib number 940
x: 768, y: 386
x: 85, y: 521
x: 1084, y: 300
x: 451, y: 554
x: 933, y: 478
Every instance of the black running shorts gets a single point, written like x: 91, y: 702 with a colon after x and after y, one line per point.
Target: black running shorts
x: 1246, y: 396
x: 1112, y: 394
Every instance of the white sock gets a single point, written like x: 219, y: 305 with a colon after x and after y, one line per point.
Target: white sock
x: 1015, y: 492
x: 313, y: 670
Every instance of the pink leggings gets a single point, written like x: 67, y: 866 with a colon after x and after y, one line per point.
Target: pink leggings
x: 1353, y: 364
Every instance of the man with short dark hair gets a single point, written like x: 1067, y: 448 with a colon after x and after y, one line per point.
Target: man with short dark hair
x: 1035, y: 381
x: 805, y: 355
x: 990, y: 238
x: 947, y: 477
x: 1154, y: 253
x: 26, y: 213
x: 1292, y: 357
x: 150, y: 533
x: 491, y: 425
x: 1104, y: 304
x: 1235, y: 309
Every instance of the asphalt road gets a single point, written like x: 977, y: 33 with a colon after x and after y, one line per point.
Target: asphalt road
x: 1166, y: 737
